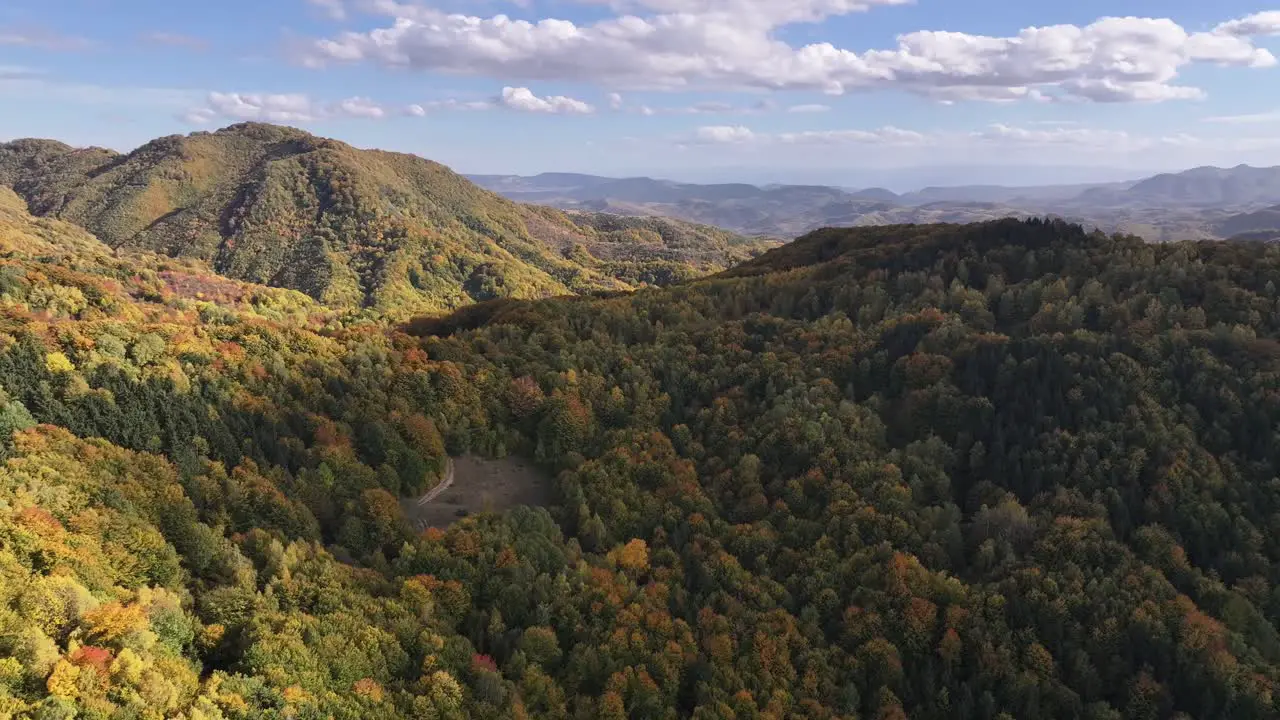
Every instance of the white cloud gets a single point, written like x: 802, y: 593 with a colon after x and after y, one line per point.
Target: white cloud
x: 769, y: 13
x: 615, y: 101
x: 723, y: 134
x: 730, y: 44
x: 1262, y: 117
x: 1075, y: 136
x: 360, y: 107
x: 426, y: 108
x: 710, y: 107
x: 739, y: 135
x: 523, y: 100
x: 279, y: 108
x: 455, y: 104
x: 1068, y: 138
x: 884, y: 136
x: 810, y: 108
x: 1258, y: 24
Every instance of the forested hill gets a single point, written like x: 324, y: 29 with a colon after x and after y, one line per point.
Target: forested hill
x: 996, y: 471
x: 351, y: 228
x: 1008, y: 470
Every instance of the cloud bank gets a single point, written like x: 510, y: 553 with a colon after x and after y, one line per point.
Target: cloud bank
x: 279, y: 108
x: 732, y: 45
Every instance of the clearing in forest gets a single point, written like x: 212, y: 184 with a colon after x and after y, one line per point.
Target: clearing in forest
x: 473, y: 485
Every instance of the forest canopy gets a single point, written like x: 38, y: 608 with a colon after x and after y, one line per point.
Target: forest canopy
x: 1007, y: 470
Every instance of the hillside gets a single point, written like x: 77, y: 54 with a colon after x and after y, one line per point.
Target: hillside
x: 20, y: 233
x: 1001, y: 470
x: 1265, y: 220
x: 351, y: 228
x: 998, y: 470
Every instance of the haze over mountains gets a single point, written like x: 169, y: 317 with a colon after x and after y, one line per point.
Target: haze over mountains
x: 1198, y: 203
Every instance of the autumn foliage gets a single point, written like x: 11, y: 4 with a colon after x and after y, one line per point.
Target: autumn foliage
x: 1013, y: 470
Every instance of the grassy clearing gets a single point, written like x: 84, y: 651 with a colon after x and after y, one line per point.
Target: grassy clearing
x: 481, y: 485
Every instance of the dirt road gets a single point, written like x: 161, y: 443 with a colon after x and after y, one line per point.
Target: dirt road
x: 443, y: 485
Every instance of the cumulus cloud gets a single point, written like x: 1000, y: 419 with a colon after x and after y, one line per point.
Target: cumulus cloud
x: 615, y: 101
x: 523, y: 100
x: 730, y: 44
x: 1259, y: 24
x: 279, y: 108
x: 723, y: 135
x: 766, y: 13
x: 360, y: 107
x: 810, y: 108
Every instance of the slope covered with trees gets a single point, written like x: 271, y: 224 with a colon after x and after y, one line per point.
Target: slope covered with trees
x: 1008, y: 470
x: 351, y: 228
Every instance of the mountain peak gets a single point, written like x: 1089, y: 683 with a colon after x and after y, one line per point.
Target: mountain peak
x: 352, y: 228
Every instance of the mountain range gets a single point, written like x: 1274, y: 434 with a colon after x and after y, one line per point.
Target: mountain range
x: 399, y: 235
x: 1196, y: 204
x: 352, y: 228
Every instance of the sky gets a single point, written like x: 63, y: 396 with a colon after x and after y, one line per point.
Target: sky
x: 825, y: 91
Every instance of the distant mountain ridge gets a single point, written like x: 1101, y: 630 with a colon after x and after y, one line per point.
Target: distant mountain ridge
x: 1214, y: 186
x: 1168, y: 206
x: 352, y: 228
x: 1266, y: 220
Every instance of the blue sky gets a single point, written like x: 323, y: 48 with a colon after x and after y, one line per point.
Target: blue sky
x: 791, y: 90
